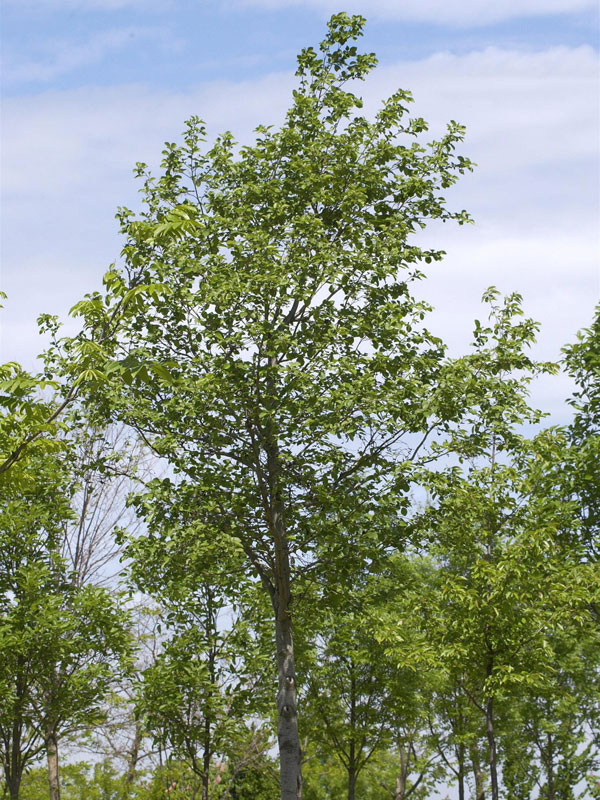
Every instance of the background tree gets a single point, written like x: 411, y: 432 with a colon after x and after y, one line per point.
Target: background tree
x: 508, y: 568
x: 30, y: 530
x: 582, y: 362
x: 60, y: 641
x: 509, y: 578
x: 28, y: 418
x: 200, y: 698
x: 108, y: 465
x: 197, y: 707
x: 361, y: 706
x: 347, y: 695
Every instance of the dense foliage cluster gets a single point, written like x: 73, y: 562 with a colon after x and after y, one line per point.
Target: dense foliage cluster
x: 260, y: 536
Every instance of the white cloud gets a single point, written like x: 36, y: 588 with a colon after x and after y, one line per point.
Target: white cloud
x: 65, y: 141
x: 532, y: 123
x: 63, y: 56
x: 556, y: 272
x: 540, y: 106
x: 67, y: 159
x: 455, y: 13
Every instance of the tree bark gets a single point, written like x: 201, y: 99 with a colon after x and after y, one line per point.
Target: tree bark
x: 13, y: 769
x: 287, y: 728
x: 12, y: 735
x: 460, y: 777
x: 403, y: 777
x: 352, y: 754
x: 477, y: 774
x: 287, y: 710
x: 53, y: 776
x: 550, y: 768
x: 458, y: 726
x: 351, y: 783
x: 290, y: 759
x: 461, y: 786
x: 13, y: 783
x: 491, y: 736
x: 133, y: 758
x: 207, y: 744
x: 206, y: 759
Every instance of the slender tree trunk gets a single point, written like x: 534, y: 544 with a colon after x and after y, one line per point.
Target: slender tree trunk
x: 207, y: 755
x: 205, y: 782
x: 13, y: 764
x: 287, y: 710
x: 550, y: 768
x: 477, y: 774
x: 399, y: 793
x: 461, y: 786
x: 132, y: 761
x: 12, y: 769
x: 206, y: 759
x: 287, y: 729
x: 52, y: 754
x: 290, y: 758
x: 461, y: 772
x: 351, y: 782
x: 352, y: 757
x: 491, y: 735
x: 403, y: 777
x: 458, y: 727
x: 13, y: 783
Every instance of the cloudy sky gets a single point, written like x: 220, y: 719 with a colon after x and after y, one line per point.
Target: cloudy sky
x: 92, y: 86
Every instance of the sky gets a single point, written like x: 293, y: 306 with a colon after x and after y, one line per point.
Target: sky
x: 90, y: 87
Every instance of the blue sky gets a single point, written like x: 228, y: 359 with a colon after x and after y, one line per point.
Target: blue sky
x: 92, y: 86
x: 66, y: 44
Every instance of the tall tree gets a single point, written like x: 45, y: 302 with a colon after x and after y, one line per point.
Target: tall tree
x: 268, y: 344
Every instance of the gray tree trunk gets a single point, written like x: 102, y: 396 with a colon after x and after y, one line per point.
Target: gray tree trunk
x: 477, y: 774
x: 461, y: 772
x: 550, y: 768
x: 403, y: 777
x: 352, y: 775
x: 133, y: 758
x: 53, y: 776
x: 13, y: 783
x: 491, y: 735
x: 287, y: 728
x: 287, y: 711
